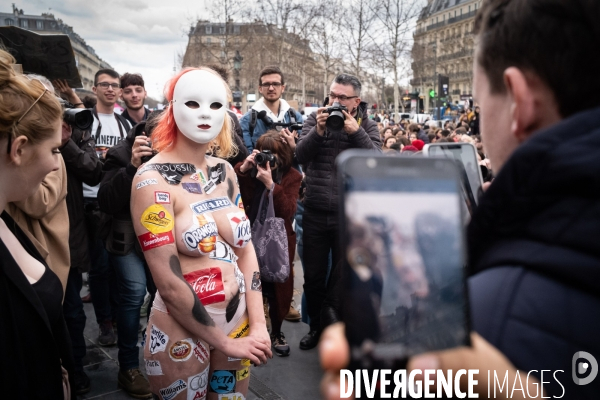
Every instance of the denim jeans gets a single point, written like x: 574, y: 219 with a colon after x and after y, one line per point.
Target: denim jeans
x: 132, y: 278
x: 75, y: 316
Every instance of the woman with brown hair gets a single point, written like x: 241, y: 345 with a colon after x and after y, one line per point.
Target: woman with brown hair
x: 284, y: 181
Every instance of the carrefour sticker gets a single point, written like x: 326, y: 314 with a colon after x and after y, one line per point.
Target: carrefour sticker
x: 238, y: 202
x: 201, y: 352
x: 240, y: 227
x: 145, y: 183
x: 210, y: 205
x: 149, y: 241
x: 232, y: 396
x: 202, y: 236
x: 239, y: 277
x: 157, y: 219
x: 192, y: 187
x: 198, y: 386
x: 223, y: 252
x: 162, y: 197
x: 158, y: 340
x: 153, y: 367
x: 181, y: 350
x: 241, y: 331
x: 173, y: 390
x: 242, y: 374
x: 222, y: 381
x: 208, y: 285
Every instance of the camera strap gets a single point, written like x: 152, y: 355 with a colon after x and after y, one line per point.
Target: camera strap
x: 253, y: 118
x: 99, y: 129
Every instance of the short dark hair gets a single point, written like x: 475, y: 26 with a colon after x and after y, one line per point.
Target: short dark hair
x: 431, y: 136
x: 271, y: 140
x: 413, y: 128
x: 445, y: 133
x: 128, y: 79
x: 106, y: 71
x: 272, y: 69
x: 404, y: 140
x: 349, y: 80
x: 560, y: 35
x: 221, y: 71
x: 89, y: 101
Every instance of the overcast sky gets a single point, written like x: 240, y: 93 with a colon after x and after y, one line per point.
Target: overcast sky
x: 131, y: 35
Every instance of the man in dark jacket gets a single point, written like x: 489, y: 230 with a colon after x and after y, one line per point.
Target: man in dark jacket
x: 317, y: 149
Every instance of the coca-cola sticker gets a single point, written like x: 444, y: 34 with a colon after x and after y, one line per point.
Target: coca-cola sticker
x: 208, y: 285
x: 181, y: 350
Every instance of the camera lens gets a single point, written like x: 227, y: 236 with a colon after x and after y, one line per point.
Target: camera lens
x: 78, y: 117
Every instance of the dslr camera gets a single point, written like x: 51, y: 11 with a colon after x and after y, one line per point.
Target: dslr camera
x: 139, y: 129
x: 265, y: 157
x: 278, y: 125
x: 336, y: 118
x: 80, y: 118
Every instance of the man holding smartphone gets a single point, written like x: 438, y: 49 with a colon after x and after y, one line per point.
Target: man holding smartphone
x: 317, y: 149
x: 533, y: 241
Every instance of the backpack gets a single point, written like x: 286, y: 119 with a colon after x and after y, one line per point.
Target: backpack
x: 254, y: 117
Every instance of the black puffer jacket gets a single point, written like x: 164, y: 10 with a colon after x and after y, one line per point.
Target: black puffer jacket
x: 318, y: 153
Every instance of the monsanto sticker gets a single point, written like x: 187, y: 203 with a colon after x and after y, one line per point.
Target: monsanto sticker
x: 149, y: 241
x: 242, y: 374
x: 158, y: 340
x: 162, y: 197
x: 146, y: 183
x: 173, y: 390
x: 240, y: 226
x: 153, y: 367
x: 157, y: 219
x: 198, y: 386
x: 181, y: 350
x: 201, y: 352
x: 208, y: 285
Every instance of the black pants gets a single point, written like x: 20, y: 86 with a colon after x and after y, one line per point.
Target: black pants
x: 320, y: 236
x: 75, y: 316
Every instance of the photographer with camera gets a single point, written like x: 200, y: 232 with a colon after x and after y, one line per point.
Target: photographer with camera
x: 269, y: 111
x: 340, y: 126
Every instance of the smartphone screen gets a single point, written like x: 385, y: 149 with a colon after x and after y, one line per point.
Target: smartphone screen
x: 404, y: 256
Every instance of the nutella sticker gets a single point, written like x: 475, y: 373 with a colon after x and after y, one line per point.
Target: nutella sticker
x: 223, y: 252
x: 198, y: 386
x: 208, y: 285
x: 240, y: 227
x: 158, y: 340
x: 210, y: 205
x: 162, y: 197
x: 157, y: 219
x: 181, y: 350
x: 173, y: 390
x: 202, y: 236
x: 153, y: 367
x: 149, y: 241
x: 201, y: 352
x: 146, y: 183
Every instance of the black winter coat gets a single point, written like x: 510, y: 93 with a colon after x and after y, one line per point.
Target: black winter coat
x: 83, y: 166
x: 317, y: 154
x: 534, y: 249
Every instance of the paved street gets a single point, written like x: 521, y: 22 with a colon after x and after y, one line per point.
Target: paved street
x: 295, y: 377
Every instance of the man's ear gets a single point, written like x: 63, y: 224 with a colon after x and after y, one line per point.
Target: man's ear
x: 18, y: 150
x: 282, y: 88
x: 523, y: 108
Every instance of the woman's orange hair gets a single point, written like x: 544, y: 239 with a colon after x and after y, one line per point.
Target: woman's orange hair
x: 165, y: 133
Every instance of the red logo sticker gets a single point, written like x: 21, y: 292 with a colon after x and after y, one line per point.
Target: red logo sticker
x: 149, y: 240
x: 208, y: 285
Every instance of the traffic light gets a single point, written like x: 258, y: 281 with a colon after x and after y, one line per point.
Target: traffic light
x: 432, y: 93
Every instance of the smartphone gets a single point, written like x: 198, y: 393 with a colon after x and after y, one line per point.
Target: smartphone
x: 465, y: 155
x: 403, y: 257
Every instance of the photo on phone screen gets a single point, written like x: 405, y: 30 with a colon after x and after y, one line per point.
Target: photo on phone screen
x: 404, y: 255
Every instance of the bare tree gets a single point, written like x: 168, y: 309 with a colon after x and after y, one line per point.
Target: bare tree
x: 325, y: 40
x: 225, y: 13
x: 356, y: 32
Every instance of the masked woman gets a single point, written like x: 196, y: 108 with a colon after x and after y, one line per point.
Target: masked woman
x: 207, y: 324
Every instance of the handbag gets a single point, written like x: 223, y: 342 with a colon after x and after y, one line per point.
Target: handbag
x: 270, y: 242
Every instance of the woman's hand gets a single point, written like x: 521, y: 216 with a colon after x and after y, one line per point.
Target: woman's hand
x: 289, y: 138
x: 249, y: 162
x: 264, y: 175
x: 249, y: 347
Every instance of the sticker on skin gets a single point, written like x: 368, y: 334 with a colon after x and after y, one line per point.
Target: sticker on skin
x: 192, y: 187
x: 210, y: 187
x: 232, y: 396
x: 240, y: 227
x: 239, y: 277
x: 242, y: 374
x: 172, y: 173
x: 210, y: 205
x: 241, y: 331
x: 223, y: 252
x: 217, y: 173
x: 181, y: 350
x: 157, y: 219
x: 146, y: 183
x: 153, y: 368
x: 222, y: 381
x: 162, y: 197
x: 256, y: 283
x: 150, y: 241
x: 158, y: 340
x: 239, y: 203
x: 201, y: 352
x: 173, y: 390
x: 198, y: 386
x: 208, y: 285
x: 202, y: 236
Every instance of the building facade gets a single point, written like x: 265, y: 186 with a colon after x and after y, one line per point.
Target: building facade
x: 443, y: 44
x: 86, y: 59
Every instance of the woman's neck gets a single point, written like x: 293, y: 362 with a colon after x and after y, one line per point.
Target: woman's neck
x: 189, y: 151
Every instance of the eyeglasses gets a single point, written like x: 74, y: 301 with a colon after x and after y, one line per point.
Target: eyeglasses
x: 341, y: 97
x: 105, y: 85
x: 267, y: 85
x: 20, y: 119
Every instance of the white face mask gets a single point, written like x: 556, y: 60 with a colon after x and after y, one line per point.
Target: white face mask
x: 199, y: 105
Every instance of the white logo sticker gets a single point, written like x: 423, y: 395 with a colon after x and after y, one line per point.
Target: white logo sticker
x: 240, y: 226
x: 146, y: 183
x: 173, y: 390
x: 232, y: 396
x: 153, y: 367
x: 162, y: 197
x: 239, y: 277
x: 158, y: 340
x: 197, y: 386
x: 223, y: 252
x: 201, y: 352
